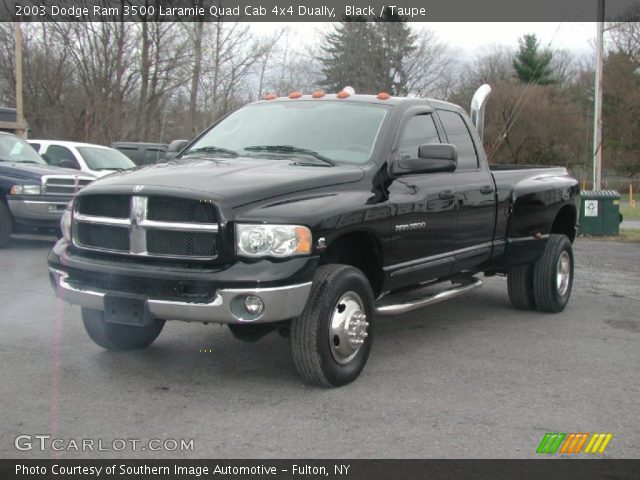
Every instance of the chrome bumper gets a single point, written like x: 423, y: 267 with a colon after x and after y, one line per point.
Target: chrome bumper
x: 280, y: 303
x: 36, y: 209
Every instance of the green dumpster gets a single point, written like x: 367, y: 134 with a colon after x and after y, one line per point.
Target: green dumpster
x: 599, y: 212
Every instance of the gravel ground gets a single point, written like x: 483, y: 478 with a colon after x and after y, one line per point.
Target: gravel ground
x: 469, y: 378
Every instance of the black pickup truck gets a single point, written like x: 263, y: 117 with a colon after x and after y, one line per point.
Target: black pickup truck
x: 312, y: 215
x: 33, y: 195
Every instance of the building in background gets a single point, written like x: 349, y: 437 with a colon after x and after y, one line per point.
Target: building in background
x: 9, y: 120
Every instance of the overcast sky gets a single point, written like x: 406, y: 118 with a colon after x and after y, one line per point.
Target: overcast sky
x: 576, y: 37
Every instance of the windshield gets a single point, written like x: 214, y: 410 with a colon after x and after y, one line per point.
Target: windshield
x: 14, y: 149
x: 336, y: 131
x: 105, y: 159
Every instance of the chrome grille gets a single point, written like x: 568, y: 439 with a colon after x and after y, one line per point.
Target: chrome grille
x: 194, y: 244
x: 64, y: 184
x: 104, y: 237
x: 181, y: 210
x: 116, y: 206
x: 146, y: 226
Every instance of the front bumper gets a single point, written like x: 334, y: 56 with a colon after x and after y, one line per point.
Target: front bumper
x: 280, y: 303
x: 283, y: 298
x: 37, y: 211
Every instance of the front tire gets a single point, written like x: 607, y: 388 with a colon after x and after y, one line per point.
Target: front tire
x: 6, y: 224
x: 116, y: 337
x: 330, y: 342
x: 553, y: 275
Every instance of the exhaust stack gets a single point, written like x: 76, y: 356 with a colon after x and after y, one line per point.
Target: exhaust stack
x: 478, y: 102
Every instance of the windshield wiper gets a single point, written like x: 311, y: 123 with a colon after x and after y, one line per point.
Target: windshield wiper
x: 211, y: 149
x: 288, y: 149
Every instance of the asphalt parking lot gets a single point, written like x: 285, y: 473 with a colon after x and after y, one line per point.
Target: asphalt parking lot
x: 469, y: 378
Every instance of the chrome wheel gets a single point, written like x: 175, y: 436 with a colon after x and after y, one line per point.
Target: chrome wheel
x: 563, y: 273
x: 348, y: 328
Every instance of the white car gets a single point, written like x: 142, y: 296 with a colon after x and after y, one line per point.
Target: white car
x: 95, y: 159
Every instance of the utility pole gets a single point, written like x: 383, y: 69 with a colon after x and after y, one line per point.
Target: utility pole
x: 597, y: 104
x: 21, y: 131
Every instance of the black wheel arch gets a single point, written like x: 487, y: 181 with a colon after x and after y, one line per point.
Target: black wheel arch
x: 565, y: 222
x: 359, y: 249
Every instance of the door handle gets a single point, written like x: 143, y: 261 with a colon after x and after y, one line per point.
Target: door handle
x: 486, y: 190
x: 447, y: 195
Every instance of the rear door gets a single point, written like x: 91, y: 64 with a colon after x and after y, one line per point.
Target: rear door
x: 475, y: 193
x: 423, y: 210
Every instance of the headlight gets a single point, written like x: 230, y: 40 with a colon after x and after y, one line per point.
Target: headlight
x: 65, y: 222
x: 272, y: 240
x: 25, y: 190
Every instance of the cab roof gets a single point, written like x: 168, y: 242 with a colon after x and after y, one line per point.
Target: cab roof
x: 360, y: 98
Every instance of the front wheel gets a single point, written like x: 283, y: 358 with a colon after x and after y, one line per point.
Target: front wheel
x: 116, y: 337
x: 553, y: 275
x: 330, y: 342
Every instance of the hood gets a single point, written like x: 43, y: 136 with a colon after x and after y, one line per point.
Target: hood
x: 34, y: 172
x: 238, y: 181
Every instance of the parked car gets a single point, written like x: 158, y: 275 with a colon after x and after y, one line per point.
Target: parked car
x: 313, y: 215
x: 142, y: 153
x: 96, y: 160
x: 33, y: 195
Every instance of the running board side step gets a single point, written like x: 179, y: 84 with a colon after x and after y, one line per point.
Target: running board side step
x: 385, y: 308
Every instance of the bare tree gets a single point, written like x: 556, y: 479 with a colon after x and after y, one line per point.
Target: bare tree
x: 104, y: 65
x: 431, y: 69
x: 162, y: 51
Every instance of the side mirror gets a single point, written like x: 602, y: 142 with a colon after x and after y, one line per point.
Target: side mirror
x: 177, y: 145
x: 69, y: 164
x: 432, y: 158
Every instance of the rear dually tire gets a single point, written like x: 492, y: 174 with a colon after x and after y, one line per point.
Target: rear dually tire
x: 553, y: 275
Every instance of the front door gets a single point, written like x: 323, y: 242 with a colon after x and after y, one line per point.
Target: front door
x: 423, y: 211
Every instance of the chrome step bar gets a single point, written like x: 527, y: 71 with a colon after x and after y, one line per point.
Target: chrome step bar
x: 385, y: 307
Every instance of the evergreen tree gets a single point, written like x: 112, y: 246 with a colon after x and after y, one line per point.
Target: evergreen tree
x: 369, y: 56
x: 532, y: 65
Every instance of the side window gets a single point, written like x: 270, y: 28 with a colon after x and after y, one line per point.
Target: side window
x: 152, y: 155
x: 458, y: 135
x: 55, y: 154
x: 418, y: 130
x: 36, y: 146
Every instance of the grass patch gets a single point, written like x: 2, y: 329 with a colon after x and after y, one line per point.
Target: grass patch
x: 630, y: 213
x: 626, y: 236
